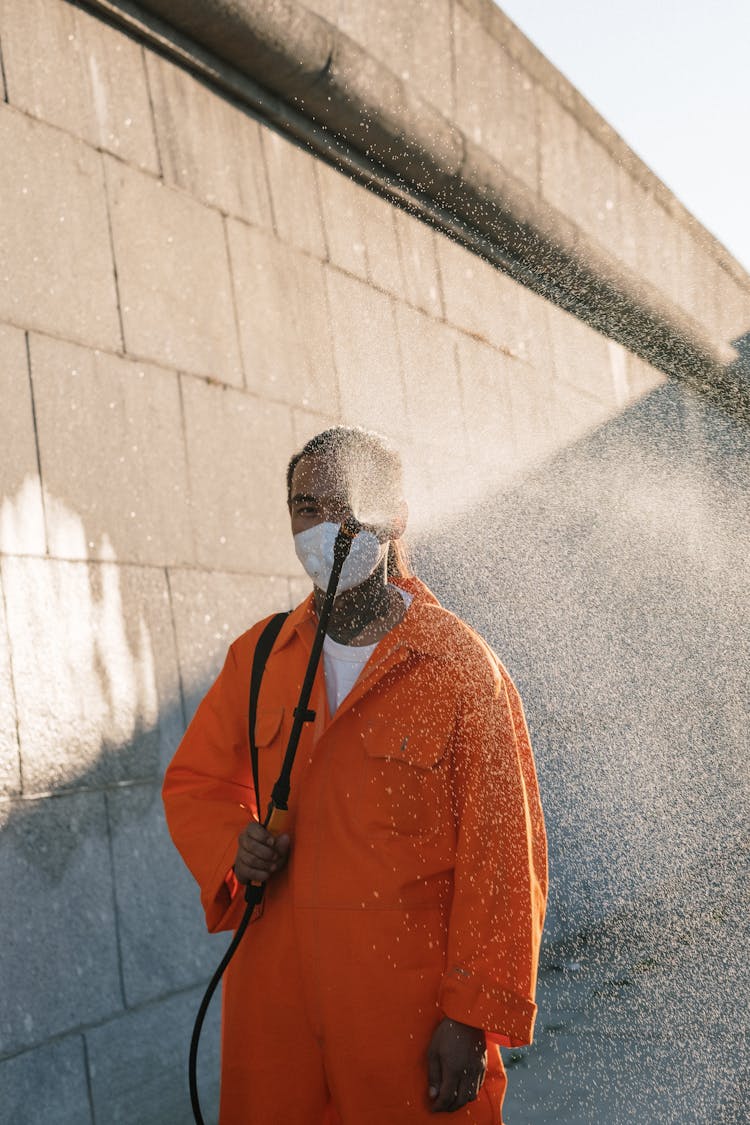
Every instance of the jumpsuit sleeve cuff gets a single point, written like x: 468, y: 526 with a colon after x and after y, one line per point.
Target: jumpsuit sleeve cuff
x: 506, y: 1017
x: 232, y: 883
x: 221, y: 900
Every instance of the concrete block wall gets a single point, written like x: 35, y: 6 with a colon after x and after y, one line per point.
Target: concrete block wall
x: 185, y: 297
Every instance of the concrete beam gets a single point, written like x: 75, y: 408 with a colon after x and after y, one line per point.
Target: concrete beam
x: 308, y: 78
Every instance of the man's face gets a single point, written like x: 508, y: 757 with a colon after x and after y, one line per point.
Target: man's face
x: 319, y: 493
x: 326, y: 489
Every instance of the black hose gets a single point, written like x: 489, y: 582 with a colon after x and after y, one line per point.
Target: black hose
x: 208, y: 995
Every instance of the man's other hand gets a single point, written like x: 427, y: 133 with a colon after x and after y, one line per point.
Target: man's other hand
x: 457, y: 1060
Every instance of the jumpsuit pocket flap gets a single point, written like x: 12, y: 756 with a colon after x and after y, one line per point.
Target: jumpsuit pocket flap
x: 267, y: 724
x: 421, y: 741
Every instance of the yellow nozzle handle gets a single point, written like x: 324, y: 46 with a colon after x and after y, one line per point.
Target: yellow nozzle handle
x: 277, y: 821
x: 349, y: 527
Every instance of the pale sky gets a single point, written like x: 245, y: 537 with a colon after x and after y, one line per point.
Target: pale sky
x: 673, y: 78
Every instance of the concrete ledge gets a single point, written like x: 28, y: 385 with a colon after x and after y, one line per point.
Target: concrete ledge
x: 502, y: 29
x: 308, y: 78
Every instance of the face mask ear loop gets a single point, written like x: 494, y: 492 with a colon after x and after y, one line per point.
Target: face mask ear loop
x: 279, y: 803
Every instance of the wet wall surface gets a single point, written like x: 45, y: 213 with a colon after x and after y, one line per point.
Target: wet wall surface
x: 613, y: 584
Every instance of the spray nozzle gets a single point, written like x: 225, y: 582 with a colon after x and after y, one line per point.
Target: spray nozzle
x: 348, y: 530
x: 350, y: 527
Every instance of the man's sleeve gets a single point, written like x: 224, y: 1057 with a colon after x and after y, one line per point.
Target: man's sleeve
x: 500, y: 885
x: 208, y: 793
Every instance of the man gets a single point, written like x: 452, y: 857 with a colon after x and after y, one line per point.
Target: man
x: 398, y: 941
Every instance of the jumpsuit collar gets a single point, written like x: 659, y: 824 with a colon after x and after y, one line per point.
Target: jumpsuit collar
x: 417, y: 632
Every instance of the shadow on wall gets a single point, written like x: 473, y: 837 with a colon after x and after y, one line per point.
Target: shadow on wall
x: 103, y: 944
x: 739, y: 371
x: 100, y: 919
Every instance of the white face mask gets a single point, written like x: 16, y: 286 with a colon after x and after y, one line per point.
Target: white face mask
x: 314, y: 549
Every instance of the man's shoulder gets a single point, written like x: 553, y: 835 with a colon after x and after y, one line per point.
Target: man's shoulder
x: 453, y: 641
x: 243, y: 647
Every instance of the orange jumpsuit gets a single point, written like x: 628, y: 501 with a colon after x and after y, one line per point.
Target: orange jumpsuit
x: 416, y: 882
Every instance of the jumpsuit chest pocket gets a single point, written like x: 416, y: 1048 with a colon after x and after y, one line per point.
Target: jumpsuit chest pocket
x: 406, y: 778
x: 271, y: 743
